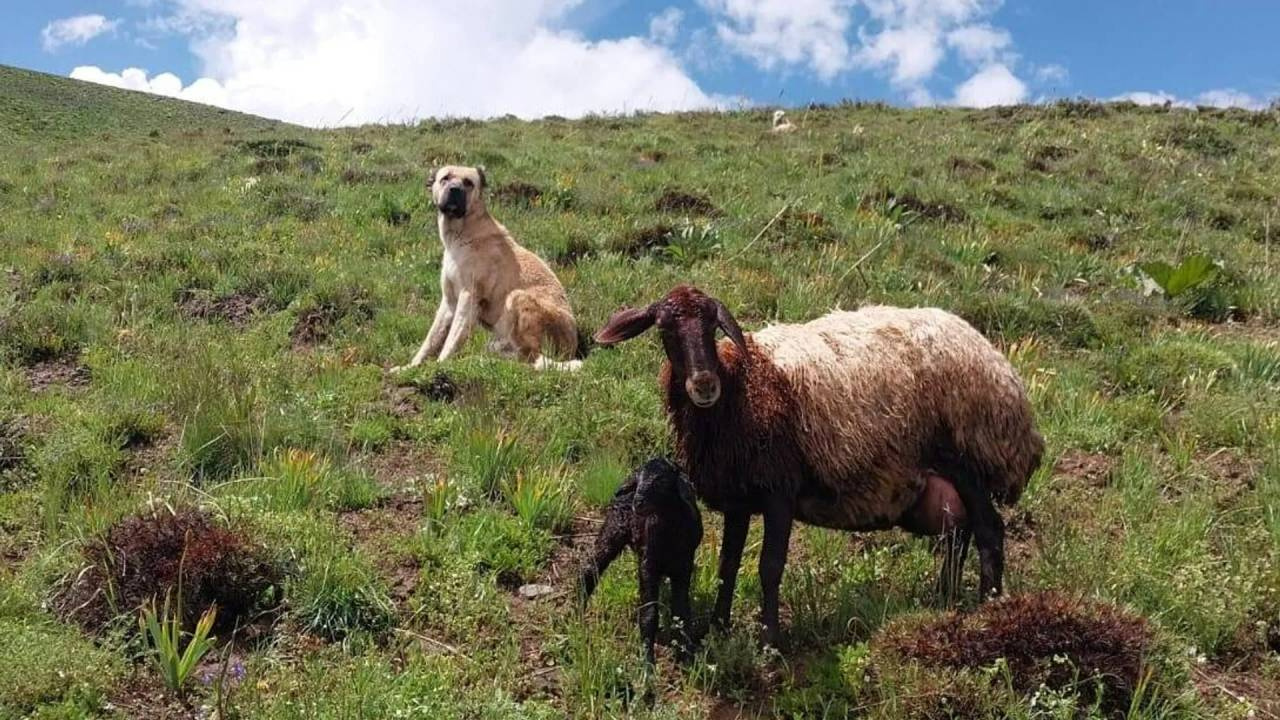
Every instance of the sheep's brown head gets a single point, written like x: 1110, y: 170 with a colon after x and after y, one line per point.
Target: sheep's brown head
x: 687, y: 320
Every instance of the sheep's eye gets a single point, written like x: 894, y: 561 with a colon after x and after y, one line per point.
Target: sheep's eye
x: 468, y: 183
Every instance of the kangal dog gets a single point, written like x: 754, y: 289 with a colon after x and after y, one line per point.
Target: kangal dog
x: 487, y: 278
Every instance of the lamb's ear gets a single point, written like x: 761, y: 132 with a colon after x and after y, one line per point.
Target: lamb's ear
x: 686, y: 493
x: 625, y: 324
x: 730, y: 326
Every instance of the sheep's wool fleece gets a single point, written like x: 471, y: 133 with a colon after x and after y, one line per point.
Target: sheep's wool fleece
x: 879, y: 389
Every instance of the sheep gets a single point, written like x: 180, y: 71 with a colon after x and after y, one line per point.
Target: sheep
x: 781, y: 124
x: 854, y: 421
x: 656, y: 515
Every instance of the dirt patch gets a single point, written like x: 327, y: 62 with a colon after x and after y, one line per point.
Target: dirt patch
x: 967, y: 167
x: 64, y: 371
x: 400, y: 465
x: 649, y: 158
x: 890, y: 201
x: 1033, y: 633
x: 576, y: 249
x: 382, y: 531
x: 679, y: 201
x: 1231, y: 474
x: 405, y: 400
x: 518, y: 193
x: 13, y: 445
x: 644, y: 241
x: 1092, y: 469
x: 236, y: 309
x: 1043, y: 158
x: 142, y: 695
x: 315, y: 324
x: 276, y: 148
x: 803, y: 227
x: 386, y: 176
x: 1227, y: 687
x: 139, y: 560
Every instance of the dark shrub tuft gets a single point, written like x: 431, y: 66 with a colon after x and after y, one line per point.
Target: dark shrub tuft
x: 144, y: 557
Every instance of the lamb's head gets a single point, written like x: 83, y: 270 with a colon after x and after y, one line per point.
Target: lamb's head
x: 687, y: 320
x: 778, y: 116
x: 661, y: 488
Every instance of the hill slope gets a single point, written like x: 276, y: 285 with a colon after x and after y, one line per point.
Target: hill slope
x: 51, y: 106
x: 200, y: 317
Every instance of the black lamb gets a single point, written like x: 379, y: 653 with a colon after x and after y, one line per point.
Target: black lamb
x: 655, y: 514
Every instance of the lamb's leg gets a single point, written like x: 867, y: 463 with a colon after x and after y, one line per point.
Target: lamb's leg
x: 988, y: 533
x: 610, y: 543
x: 681, y: 612
x: 955, y: 546
x: 778, y: 514
x: 735, y: 538
x: 650, y: 586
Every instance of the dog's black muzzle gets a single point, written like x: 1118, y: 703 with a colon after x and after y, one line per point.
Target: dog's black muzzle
x: 454, y: 202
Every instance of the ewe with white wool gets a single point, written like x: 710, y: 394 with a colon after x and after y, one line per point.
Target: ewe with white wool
x: 781, y: 124
x: 855, y: 421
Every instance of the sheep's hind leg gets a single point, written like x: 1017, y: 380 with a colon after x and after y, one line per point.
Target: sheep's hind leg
x: 735, y: 538
x: 988, y: 532
x: 955, y: 547
x: 778, y: 516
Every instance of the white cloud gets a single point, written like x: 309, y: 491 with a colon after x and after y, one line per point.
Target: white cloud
x: 1052, y: 74
x: 1228, y: 97
x: 780, y: 33
x: 321, y: 62
x: 76, y: 30
x: 908, y: 40
x: 979, y: 43
x: 664, y: 27
x: 993, y: 85
x: 1222, y: 98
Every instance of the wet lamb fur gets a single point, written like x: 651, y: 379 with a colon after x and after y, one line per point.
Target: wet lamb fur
x: 656, y: 515
x: 854, y: 421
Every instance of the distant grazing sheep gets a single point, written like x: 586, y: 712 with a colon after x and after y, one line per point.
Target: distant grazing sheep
x: 655, y: 514
x: 781, y: 124
x: 854, y: 421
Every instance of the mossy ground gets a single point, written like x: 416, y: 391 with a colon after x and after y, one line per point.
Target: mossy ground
x: 197, y: 308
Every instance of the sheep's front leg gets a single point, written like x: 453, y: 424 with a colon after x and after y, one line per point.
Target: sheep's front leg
x: 650, y: 586
x: 735, y: 538
x: 464, y: 320
x: 778, y: 515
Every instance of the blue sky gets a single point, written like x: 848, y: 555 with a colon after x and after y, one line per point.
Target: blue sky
x: 325, y: 62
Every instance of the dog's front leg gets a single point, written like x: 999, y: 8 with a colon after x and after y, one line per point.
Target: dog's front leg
x: 464, y: 319
x: 435, y: 336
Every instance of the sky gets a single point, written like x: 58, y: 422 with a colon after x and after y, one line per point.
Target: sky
x: 339, y: 62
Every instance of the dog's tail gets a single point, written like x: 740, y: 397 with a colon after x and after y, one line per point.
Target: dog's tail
x: 552, y: 325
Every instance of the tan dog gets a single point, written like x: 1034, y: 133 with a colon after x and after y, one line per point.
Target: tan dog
x: 486, y: 277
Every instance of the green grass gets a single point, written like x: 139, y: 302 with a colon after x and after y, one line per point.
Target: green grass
x: 224, y: 293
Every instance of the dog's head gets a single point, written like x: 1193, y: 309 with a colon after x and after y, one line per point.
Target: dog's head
x: 458, y: 191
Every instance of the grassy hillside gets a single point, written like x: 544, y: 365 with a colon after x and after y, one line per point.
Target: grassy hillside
x: 196, y: 310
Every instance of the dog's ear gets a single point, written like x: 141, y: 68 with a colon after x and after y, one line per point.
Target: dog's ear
x: 431, y: 177
x: 625, y: 324
x: 724, y: 319
x: 483, y: 181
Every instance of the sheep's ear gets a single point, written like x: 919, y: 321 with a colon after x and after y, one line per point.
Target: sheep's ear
x: 730, y: 326
x: 625, y: 324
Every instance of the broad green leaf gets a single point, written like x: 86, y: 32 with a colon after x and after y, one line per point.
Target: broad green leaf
x: 1159, y: 272
x: 1193, y: 271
